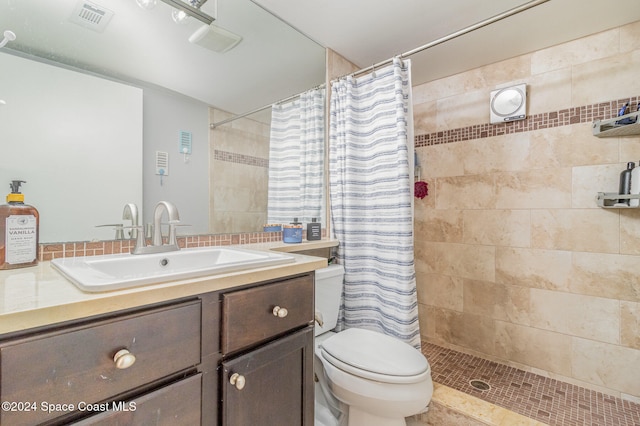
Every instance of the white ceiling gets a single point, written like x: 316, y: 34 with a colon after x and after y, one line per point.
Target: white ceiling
x: 273, y: 61
x: 370, y: 31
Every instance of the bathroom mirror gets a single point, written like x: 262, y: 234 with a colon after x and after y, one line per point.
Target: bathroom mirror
x: 180, y: 81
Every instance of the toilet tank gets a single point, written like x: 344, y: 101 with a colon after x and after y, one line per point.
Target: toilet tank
x: 328, y: 293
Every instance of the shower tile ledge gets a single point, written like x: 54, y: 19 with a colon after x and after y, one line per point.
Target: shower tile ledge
x: 449, y: 406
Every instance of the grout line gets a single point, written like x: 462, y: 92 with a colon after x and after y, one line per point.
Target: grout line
x: 534, y: 396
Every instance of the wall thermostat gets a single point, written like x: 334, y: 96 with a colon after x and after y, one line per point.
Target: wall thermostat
x: 508, y: 104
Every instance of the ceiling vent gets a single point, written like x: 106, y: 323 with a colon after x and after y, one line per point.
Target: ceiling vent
x: 91, y: 15
x: 215, y: 38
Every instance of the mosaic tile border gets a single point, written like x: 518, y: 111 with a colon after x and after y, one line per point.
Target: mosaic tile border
x: 233, y: 157
x: 537, y: 397
x: 546, y: 120
x: 96, y: 248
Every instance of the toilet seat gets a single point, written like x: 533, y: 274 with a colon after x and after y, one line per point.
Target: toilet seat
x: 375, y: 356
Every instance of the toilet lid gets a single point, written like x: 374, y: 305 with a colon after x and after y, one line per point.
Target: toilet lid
x: 376, y: 356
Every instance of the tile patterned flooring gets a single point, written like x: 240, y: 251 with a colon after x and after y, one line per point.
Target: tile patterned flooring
x: 547, y: 400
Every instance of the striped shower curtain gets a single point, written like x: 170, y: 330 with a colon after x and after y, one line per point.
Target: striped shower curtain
x: 296, y: 159
x: 370, y: 176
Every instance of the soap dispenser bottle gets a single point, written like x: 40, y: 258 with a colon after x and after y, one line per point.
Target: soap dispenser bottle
x: 625, y: 182
x: 635, y: 186
x: 19, y: 233
x: 314, y: 230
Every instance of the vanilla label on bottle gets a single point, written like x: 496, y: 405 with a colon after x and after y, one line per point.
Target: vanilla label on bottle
x: 21, y: 239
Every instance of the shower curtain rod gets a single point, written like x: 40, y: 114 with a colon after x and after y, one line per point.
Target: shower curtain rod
x: 235, y: 117
x: 451, y: 36
x: 429, y: 45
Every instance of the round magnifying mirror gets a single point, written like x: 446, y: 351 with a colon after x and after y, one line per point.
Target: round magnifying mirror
x: 507, y: 101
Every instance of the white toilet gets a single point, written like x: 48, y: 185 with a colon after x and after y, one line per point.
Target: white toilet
x: 365, y: 377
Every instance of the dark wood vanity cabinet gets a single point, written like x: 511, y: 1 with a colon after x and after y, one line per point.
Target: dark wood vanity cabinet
x: 267, y: 349
x: 71, y: 371
x: 170, y: 364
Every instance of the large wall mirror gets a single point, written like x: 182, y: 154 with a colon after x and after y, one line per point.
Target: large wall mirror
x: 162, y: 87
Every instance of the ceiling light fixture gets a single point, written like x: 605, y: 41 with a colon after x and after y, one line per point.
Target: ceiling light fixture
x: 8, y: 36
x: 179, y: 16
x: 147, y: 4
x: 188, y: 8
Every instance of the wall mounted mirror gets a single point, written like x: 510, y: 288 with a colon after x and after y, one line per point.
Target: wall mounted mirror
x: 508, y: 104
x: 181, y: 82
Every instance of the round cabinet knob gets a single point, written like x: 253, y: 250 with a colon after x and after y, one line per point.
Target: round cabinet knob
x: 237, y: 380
x: 280, y: 312
x: 124, y: 359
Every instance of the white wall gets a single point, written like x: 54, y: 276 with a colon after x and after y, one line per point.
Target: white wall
x: 187, y: 185
x: 76, y: 140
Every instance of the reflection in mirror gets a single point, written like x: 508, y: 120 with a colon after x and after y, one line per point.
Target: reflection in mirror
x: 55, y: 132
x: 239, y: 172
x: 179, y: 80
x: 296, y: 159
x: 268, y: 167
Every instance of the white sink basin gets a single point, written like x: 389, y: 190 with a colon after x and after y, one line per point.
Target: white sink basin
x: 118, y: 271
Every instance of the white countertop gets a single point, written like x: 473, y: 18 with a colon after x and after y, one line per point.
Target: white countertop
x: 39, y: 295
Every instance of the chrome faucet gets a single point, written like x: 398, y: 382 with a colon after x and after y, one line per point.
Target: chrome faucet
x: 174, y: 218
x: 130, y: 212
x: 157, y: 245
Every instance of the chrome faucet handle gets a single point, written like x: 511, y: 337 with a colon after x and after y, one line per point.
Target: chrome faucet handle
x: 141, y: 243
x: 172, y: 240
x: 133, y: 233
x: 117, y: 226
x: 173, y: 235
x: 134, y: 230
x: 177, y: 225
x: 148, y: 231
x: 130, y: 212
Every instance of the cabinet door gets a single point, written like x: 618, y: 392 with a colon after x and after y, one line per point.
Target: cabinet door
x: 273, y: 384
x: 177, y: 404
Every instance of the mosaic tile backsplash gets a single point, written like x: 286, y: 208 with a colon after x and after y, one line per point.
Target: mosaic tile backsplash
x: 95, y: 248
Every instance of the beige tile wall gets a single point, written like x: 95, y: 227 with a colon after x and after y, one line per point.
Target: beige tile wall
x: 514, y: 260
x: 239, y: 174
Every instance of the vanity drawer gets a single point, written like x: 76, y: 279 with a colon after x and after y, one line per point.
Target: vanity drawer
x: 178, y: 404
x: 250, y: 316
x: 79, y: 360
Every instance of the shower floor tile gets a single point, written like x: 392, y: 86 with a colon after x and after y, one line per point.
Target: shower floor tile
x: 540, y: 398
